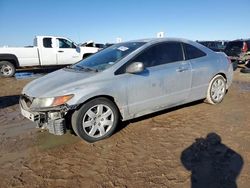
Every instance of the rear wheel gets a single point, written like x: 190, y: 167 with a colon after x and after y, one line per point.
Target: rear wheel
x: 7, y: 69
x: 216, y: 90
x: 95, y: 120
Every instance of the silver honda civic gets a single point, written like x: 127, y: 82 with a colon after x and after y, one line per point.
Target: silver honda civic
x: 125, y: 81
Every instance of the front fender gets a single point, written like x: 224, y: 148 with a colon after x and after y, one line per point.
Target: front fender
x: 116, y: 92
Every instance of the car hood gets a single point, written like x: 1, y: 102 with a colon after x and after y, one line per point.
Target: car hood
x: 57, y: 83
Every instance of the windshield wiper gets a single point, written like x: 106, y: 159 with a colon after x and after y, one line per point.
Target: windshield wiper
x: 86, y: 68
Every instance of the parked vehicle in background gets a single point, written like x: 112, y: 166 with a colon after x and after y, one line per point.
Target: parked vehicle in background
x: 125, y: 81
x: 239, y: 50
x: 100, y: 46
x: 217, y: 46
x: 47, y: 51
x: 108, y: 45
x: 92, y: 45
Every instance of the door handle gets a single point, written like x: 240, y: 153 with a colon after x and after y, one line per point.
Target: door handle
x: 60, y: 51
x: 181, y: 69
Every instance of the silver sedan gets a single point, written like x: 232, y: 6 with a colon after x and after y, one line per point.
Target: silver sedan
x: 125, y: 81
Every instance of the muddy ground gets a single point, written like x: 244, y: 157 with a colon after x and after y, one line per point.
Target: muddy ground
x: 166, y: 149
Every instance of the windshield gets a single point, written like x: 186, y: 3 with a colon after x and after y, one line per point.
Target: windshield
x: 108, y: 57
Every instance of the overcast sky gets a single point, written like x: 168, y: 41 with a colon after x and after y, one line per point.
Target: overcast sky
x: 105, y: 20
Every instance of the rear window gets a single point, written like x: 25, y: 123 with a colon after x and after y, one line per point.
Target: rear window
x: 47, y: 43
x: 192, y: 52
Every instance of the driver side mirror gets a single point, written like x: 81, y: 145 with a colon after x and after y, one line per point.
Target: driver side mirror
x: 135, y: 67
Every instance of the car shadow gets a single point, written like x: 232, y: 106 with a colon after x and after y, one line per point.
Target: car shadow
x: 212, y: 164
x: 124, y: 124
x: 7, y: 101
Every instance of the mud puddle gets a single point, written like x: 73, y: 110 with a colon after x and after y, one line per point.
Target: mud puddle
x: 46, y: 141
x: 243, y: 86
x: 27, y: 75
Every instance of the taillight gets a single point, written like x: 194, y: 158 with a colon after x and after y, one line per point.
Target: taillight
x: 244, y: 48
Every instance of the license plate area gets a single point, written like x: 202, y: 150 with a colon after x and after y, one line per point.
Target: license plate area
x: 31, y: 116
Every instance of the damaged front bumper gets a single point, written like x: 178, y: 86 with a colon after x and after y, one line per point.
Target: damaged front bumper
x: 51, y: 118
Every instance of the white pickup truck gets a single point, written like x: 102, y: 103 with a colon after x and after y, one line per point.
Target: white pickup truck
x: 47, y: 51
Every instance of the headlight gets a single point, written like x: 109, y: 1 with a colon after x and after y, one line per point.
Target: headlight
x: 51, y: 101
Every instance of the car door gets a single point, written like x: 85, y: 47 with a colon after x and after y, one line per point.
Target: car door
x: 201, y: 71
x: 67, y: 52
x: 166, y: 80
x: 47, y: 51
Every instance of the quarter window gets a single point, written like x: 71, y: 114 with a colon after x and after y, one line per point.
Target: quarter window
x: 47, y: 42
x: 192, y: 52
x: 161, y: 54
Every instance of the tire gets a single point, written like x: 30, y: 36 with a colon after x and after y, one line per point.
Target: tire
x: 91, y: 125
x: 7, y: 69
x: 216, y: 90
x: 247, y: 64
x: 245, y: 70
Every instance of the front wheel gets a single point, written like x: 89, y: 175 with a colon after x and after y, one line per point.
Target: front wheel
x: 95, y: 120
x: 216, y: 90
x: 7, y: 69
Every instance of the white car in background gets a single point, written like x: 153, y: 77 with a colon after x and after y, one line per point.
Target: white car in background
x: 47, y: 51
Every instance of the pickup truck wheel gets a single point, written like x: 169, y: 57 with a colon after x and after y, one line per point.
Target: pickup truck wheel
x: 216, y: 90
x: 7, y: 69
x: 95, y: 120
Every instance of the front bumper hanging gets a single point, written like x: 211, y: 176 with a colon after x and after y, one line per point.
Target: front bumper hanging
x: 52, y: 119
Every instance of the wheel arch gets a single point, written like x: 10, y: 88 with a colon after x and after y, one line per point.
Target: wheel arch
x: 222, y: 74
x: 219, y: 73
x: 111, y: 98
x: 10, y: 58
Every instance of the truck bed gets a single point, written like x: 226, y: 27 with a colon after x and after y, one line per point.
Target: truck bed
x: 27, y: 56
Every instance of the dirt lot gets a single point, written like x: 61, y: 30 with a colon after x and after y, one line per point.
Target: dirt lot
x: 167, y: 149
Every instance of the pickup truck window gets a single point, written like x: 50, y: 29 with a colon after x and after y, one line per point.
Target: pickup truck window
x: 63, y: 43
x: 47, y: 43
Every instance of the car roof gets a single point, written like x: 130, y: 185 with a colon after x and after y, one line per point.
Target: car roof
x: 149, y: 40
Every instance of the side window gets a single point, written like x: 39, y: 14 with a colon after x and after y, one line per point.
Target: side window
x: 47, y: 42
x: 90, y: 45
x: 192, y: 52
x: 63, y: 43
x: 159, y: 54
